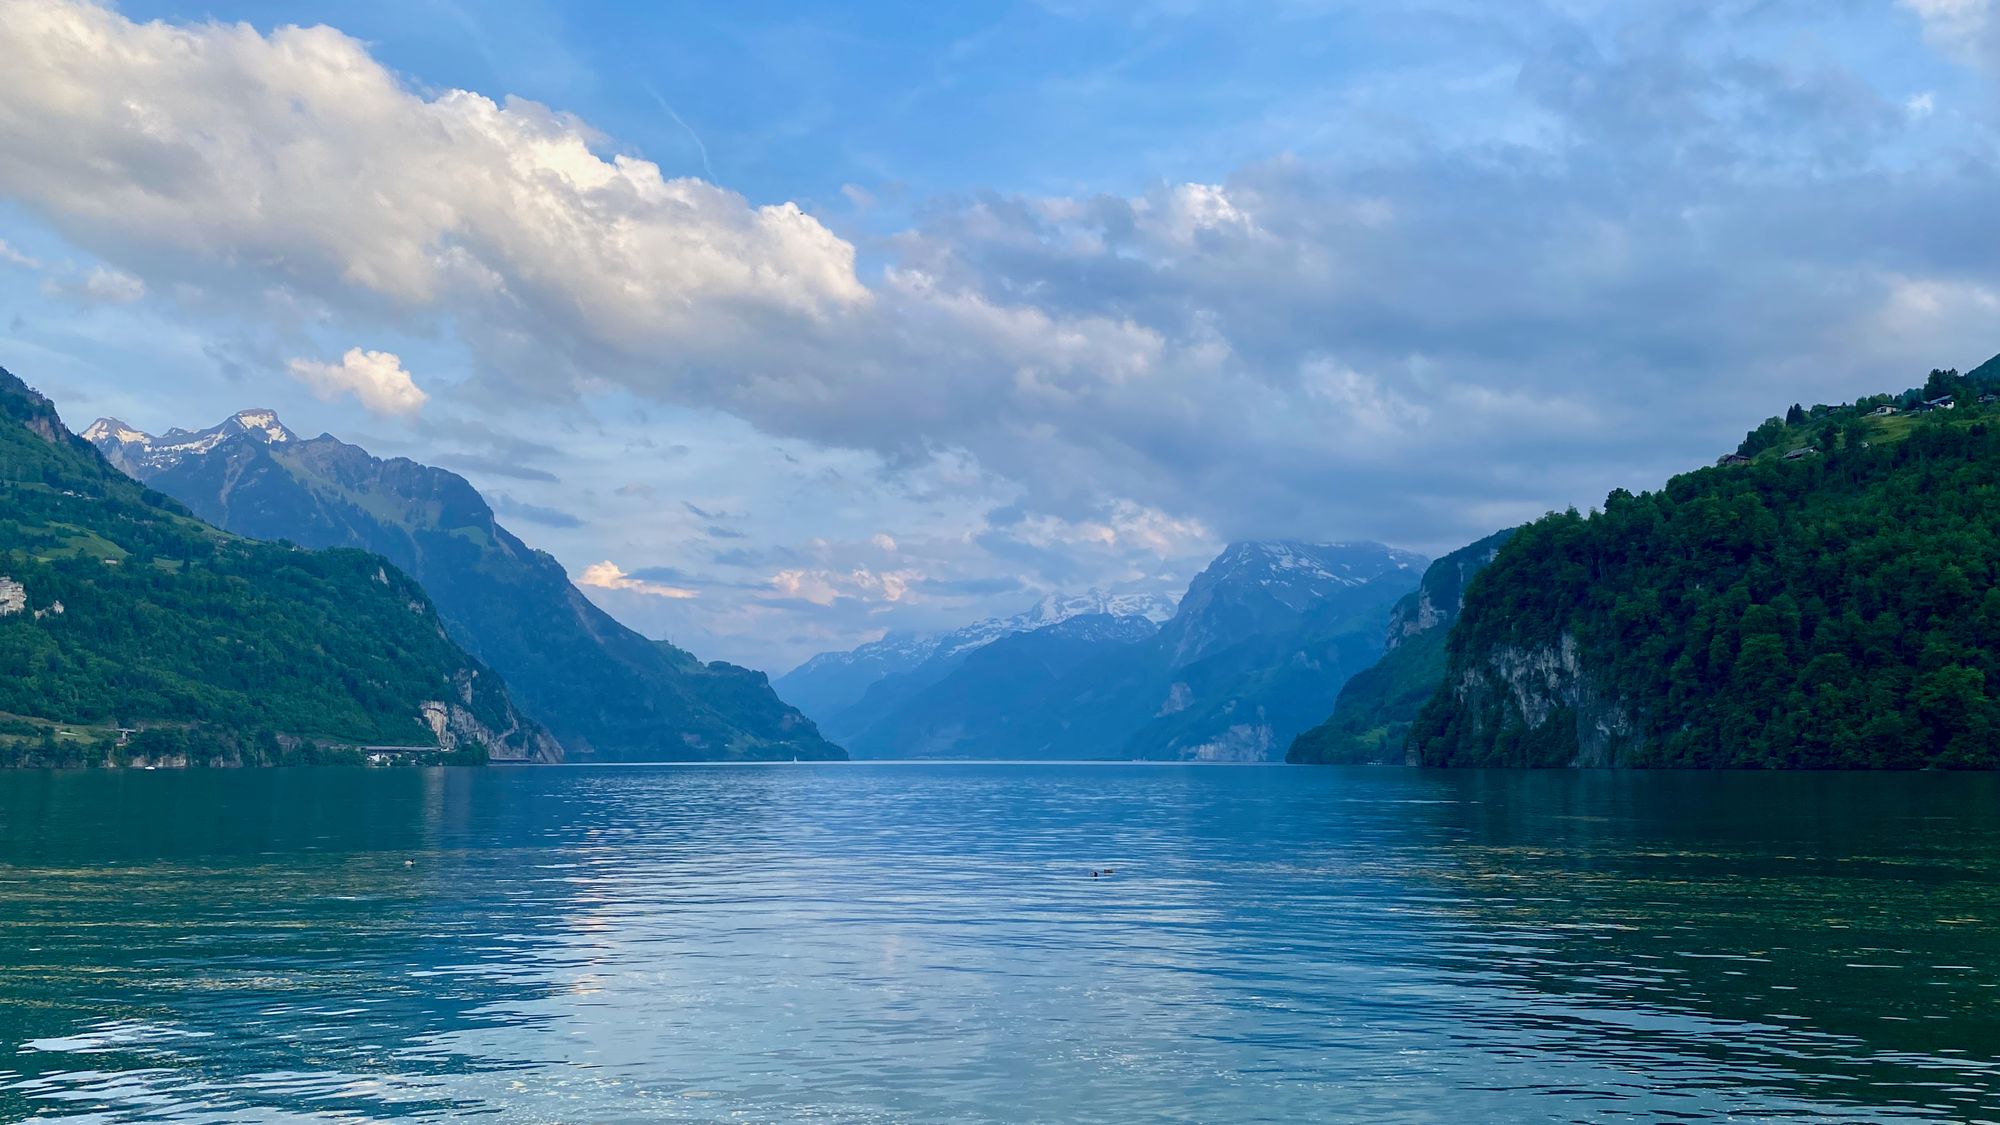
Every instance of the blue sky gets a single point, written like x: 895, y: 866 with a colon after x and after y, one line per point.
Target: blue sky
x: 782, y: 325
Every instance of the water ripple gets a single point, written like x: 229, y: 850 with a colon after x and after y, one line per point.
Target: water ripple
x: 997, y: 943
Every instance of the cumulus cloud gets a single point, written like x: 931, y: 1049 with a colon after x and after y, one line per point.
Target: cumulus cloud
x: 607, y: 575
x: 1656, y: 228
x: 824, y: 587
x: 298, y: 156
x: 377, y: 381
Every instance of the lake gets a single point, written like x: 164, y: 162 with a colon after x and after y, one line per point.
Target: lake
x: 919, y: 943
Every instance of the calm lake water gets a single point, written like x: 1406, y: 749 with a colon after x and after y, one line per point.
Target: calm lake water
x: 926, y: 943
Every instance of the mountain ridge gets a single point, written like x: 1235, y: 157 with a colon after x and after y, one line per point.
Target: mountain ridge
x: 127, y: 611
x: 1256, y: 651
x: 606, y: 691
x: 828, y: 683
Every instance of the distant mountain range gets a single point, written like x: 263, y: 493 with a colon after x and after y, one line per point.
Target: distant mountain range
x: 1255, y: 652
x: 130, y: 629
x: 828, y: 685
x: 605, y: 691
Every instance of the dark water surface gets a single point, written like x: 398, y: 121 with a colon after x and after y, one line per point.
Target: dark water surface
x: 926, y: 943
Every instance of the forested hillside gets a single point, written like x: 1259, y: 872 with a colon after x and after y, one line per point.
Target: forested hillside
x: 607, y: 692
x: 1835, y: 608
x: 119, y: 609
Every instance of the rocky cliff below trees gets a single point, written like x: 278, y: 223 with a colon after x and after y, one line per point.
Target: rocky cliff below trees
x: 1834, y: 611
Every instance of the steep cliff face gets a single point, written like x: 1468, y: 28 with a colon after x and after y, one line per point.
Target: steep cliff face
x: 1441, y: 594
x: 1536, y: 706
x: 498, y: 732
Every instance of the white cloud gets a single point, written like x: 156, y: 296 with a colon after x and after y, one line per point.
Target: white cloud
x: 1963, y: 29
x: 14, y: 257
x: 114, y: 286
x: 213, y: 157
x: 1406, y: 342
x: 299, y: 156
x: 376, y: 379
x: 607, y: 575
x: 824, y: 587
x: 1122, y: 526
x: 101, y: 286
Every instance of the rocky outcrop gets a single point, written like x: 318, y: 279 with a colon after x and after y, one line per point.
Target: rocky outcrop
x: 1441, y: 595
x: 1541, y: 706
x: 456, y: 727
x: 1242, y: 742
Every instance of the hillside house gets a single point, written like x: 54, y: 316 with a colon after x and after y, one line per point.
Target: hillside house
x: 1883, y: 411
x: 1801, y: 454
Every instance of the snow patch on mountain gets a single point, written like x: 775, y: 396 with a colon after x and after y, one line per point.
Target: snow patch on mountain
x: 133, y: 450
x: 1286, y: 562
x: 903, y: 651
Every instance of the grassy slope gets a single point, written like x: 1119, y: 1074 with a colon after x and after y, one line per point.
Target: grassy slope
x: 166, y: 620
x: 603, y: 689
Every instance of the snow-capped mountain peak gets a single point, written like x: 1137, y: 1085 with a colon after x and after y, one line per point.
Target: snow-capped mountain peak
x: 1057, y: 608
x: 112, y: 430
x: 130, y: 449
x: 262, y: 422
x: 907, y: 650
x: 1288, y: 562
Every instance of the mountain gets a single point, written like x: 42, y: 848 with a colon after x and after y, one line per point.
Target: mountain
x: 984, y: 702
x: 118, y: 608
x: 1371, y: 719
x: 605, y: 691
x: 140, y: 454
x: 1831, y: 603
x: 1255, y: 652
x: 832, y: 686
